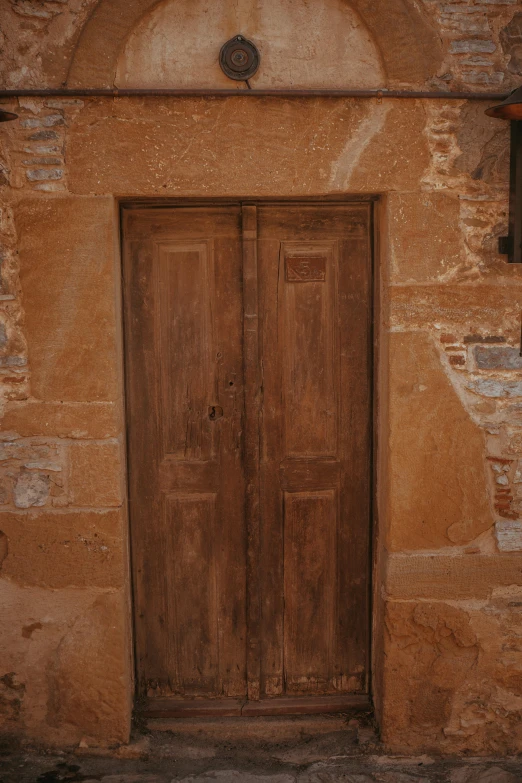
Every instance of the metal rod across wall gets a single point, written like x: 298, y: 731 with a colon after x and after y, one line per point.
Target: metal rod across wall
x: 106, y: 92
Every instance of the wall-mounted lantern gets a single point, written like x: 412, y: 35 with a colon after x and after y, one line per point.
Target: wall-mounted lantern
x: 511, y: 109
x: 6, y: 116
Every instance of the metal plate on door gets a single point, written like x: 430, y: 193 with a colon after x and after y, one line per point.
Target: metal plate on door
x: 305, y: 269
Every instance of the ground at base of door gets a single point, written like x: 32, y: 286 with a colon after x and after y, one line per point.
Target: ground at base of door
x: 328, y: 749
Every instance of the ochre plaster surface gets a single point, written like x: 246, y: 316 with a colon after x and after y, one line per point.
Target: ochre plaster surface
x: 447, y: 621
x: 69, y: 315
x: 436, y: 486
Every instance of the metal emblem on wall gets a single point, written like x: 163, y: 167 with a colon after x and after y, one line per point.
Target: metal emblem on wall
x: 239, y: 58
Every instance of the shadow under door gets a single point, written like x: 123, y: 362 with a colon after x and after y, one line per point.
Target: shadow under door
x: 248, y: 363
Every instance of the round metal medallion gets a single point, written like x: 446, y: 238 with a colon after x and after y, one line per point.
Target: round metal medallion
x: 239, y: 58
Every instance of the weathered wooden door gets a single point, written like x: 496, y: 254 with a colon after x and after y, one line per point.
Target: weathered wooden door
x: 248, y: 341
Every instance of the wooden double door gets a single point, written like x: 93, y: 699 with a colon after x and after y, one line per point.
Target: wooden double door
x: 248, y: 358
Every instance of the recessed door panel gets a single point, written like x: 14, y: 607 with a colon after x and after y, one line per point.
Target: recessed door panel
x: 307, y: 314
x: 310, y: 538
x: 185, y: 272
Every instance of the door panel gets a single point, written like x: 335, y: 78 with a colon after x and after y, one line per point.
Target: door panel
x: 307, y: 314
x: 248, y: 347
x: 185, y: 297
x: 184, y: 378
x: 314, y: 287
x: 309, y: 589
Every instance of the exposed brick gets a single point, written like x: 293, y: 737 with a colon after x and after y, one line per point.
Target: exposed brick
x: 478, y: 338
x: 457, y: 361
x: 448, y: 338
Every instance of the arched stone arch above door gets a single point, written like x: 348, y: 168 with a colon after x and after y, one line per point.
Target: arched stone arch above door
x: 403, y: 47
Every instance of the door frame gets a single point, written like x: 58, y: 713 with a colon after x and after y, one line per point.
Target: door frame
x: 323, y: 704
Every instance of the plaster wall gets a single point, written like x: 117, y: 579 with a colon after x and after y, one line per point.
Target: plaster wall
x: 448, y: 579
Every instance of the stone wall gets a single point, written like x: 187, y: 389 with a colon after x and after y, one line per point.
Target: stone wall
x: 64, y: 644
x: 448, y: 581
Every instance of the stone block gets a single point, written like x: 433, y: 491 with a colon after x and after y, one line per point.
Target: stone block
x: 31, y: 489
x: 426, y: 240
x: 68, y: 284
x: 44, y: 161
x: 450, y: 577
x: 509, y: 535
x: 63, y: 420
x: 343, y: 145
x: 483, y: 77
x: 397, y: 157
x: 511, y: 41
x: 453, y: 676
x: 95, y: 474
x: 495, y: 387
x: 91, y: 678
x: 438, y: 479
x: 102, y: 144
x: 472, y: 45
x: 497, y: 358
x: 484, y: 145
x: 44, y: 135
x: 45, y: 122
x: 41, y: 632
x: 38, y: 175
x: 431, y: 648
x: 466, y: 24
x: 59, y: 549
x: 470, y: 306
x: 513, y: 438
